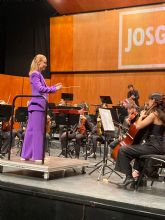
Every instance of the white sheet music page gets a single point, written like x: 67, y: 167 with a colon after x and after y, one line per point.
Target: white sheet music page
x: 106, y: 119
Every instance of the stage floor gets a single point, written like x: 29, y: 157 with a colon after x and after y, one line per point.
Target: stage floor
x: 76, y: 184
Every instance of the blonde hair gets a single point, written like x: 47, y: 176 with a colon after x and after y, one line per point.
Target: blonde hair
x: 34, y: 64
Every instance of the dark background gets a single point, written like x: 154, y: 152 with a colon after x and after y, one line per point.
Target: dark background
x: 24, y: 32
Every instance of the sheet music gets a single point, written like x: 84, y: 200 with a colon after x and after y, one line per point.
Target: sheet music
x: 106, y: 119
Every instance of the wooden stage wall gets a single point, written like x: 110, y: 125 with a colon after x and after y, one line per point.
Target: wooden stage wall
x: 92, y: 85
x: 89, y: 43
x: 10, y: 86
x: 113, y: 84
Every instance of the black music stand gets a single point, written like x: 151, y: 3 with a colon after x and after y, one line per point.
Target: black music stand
x: 51, y: 105
x: 5, y: 112
x: 65, y: 117
x: 21, y: 114
x: 67, y: 97
x: 108, y: 127
x: 106, y: 99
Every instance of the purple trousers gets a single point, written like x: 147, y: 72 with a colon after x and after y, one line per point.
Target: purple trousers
x: 34, y: 136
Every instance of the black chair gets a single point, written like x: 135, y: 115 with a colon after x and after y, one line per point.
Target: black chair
x: 156, y: 163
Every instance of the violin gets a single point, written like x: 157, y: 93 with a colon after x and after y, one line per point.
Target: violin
x: 81, y: 127
x: 6, y: 125
x: 48, y: 125
x: 132, y: 117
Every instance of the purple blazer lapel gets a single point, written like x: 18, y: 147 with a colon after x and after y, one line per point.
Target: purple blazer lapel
x: 43, y: 80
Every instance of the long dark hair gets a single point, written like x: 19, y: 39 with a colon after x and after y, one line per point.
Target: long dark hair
x: 159, y: 105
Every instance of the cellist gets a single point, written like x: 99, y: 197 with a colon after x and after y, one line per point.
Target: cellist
x: 155, y: 120
x: 132, y: 116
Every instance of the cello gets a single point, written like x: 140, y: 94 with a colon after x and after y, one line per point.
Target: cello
x: 130, y: 136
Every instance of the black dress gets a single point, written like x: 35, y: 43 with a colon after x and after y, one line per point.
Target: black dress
x: 135, y: 94
x: 154, y: 144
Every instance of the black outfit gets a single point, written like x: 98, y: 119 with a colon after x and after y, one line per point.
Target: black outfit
x: 6, y: 141
x: 77, y: 136
x: 154, y: 145
x: 135, y: 94
x: 95, y: 138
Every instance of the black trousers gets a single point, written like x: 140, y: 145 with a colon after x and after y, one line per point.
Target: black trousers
x: 6, y: 141
x: 128, y: 153
x: 74, y: 135
x: 95, y: 138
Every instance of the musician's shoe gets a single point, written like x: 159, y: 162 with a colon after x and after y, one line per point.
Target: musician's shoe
x: 128, y: 181
x: 2, y: 156
x: 88, y: 153
x: 143, y: 183
x: 93, y: 155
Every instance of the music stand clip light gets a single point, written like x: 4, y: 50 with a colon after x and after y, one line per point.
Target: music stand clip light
x: 106, y: 99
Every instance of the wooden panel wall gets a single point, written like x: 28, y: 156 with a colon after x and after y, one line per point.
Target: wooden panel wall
x: 113, y: 84
x: 61, y: 43
x: 90, y: 41
x: 95, y: 47
x: 95, y: 41
x: 10, y: 86
x: 91, y: 86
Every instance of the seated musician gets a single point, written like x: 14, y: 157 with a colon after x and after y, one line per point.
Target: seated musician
x: 48, y: 130
x: 6, y: 137
x: 154, y: 120
x: 132, y: 115
x: 79, y: 133
x: 128, y: 121
x: 96, y: 136
x: 62, y: 102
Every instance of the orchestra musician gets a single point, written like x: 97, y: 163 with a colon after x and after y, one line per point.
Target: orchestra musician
x: 154, y: 120
x: 48, y: 131
x: 79, y: 133
x: 96, y: 136
x: 133, y: 94
x: 5, y: 136
x: 132, y: 116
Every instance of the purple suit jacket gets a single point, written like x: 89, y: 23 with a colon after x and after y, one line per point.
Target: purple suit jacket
x: 39, y: 87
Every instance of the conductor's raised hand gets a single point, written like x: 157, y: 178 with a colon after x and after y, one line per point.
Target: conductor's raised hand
x: 58, y: 86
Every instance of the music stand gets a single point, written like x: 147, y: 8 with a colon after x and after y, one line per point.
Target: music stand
x: 5, y: 112
x: 108, y: 128
x: 66, y: 116
x: 51, y: 105
x: 21, y: 114
x: 67, y: 97
x: 106, y: 99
